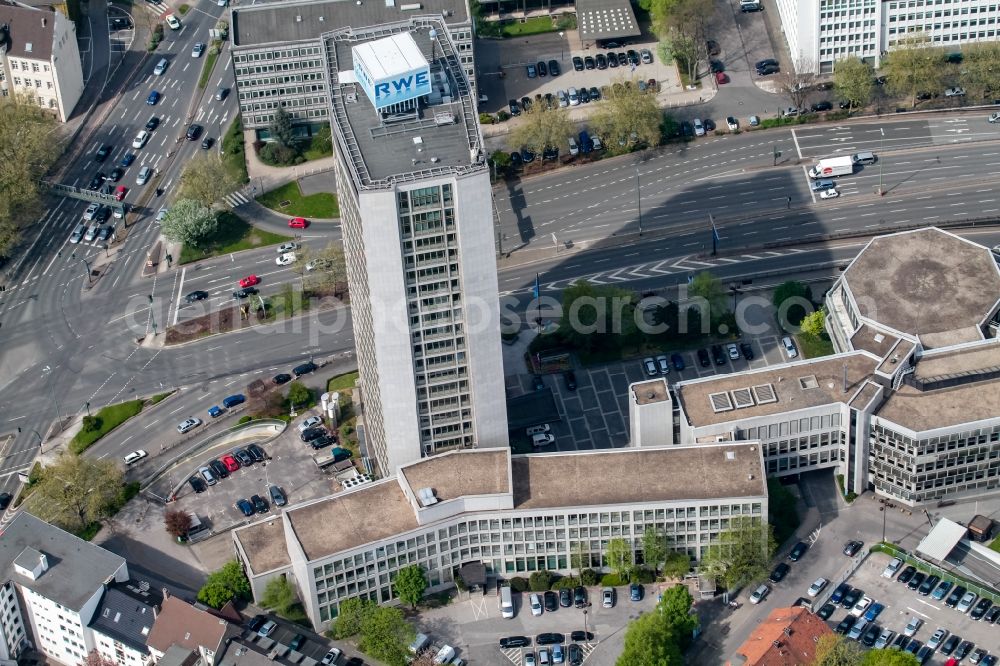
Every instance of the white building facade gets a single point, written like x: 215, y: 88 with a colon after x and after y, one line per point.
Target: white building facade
x: 40, y: 58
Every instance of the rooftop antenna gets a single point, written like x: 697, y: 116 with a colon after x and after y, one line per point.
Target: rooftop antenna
x: 433, y: 34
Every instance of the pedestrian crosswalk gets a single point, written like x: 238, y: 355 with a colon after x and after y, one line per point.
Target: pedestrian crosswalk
x: 237, y: 199
x: 157, y: 7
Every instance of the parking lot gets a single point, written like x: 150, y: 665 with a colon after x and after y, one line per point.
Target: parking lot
x: 902, y: 604
x: 289, y: 465
x: 595, y: 415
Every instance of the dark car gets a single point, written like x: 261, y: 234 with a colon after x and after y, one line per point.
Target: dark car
x: 196, y: 296
x: 767, y: 71
x: 244, y: 292
x: 635, y: 592
x: 767, y: 62
x: 845, y: 624
x: 612, y: 60
x: 245, y: 507
x: 747, y: 349
x: 716, y: 66
x: 117, y: 173
x: 565, y: 597
x: 256, y: 622
x: 218, y: 469
x: 281, y: 378
x: 574, y: 654
x: 851, y: 548
x: 871, y: 633
x: 779, y: 573
x: 312, y: 433
x: 355, y: 661
x: 515, y: 159
x: 907, y: 573
x: 152, y: 123
x: 323, y: 442
x: 5, y: 499
x: 677, y: 361
x: 839, y: 592
x: 595, y: 94
x: 256, y: 453
x: 551, y: 601
x: 687, y: 129
x: 851, y: 597
x: 127, y: 159
x: 527, y: 156
x: 207, y: 143
x: 601, y: 60
x: 550, y: 153
x: 964, y: 649
x: 633, y: 57
x: 900, y: 641
x: 708, y: 124
x: 581, y: 635
x: 917, y: 580
x: 589, y: 63
x: 525, y: 104
x: 718, y: 355
x: 913, y: 646
x: 928, y: 585
x: 541, y: 68
x: 95, y: 182
x: 241, y: 454
x: 304, y: 369
x: 549, y: 638
x: 197, y: 484
x: 298, y: 640
x: 949, y: 645
x: 826, y: 611
x: 578, y: 63
x: 992, y: 614
x: 955, y: 596
x: 514, y: 642
x: 102, y: 153
x: 979, y: 610
x: 193, y: 131
x: 554, y: 68
x: 260, y: 504
x: 579, y: 596
x: 821, y: 106
x: 584, y: 95
x: 569, y: 377
x: 537, y: 383
x: 703, y: 358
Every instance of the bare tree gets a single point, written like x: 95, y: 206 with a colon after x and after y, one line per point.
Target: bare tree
x: 797, y: 82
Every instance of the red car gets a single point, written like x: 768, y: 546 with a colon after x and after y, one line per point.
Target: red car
x: 298, y: 223
x: 249, y: 281
x: 120, y: 192
x: 720, y: 78
x: 230, y: 463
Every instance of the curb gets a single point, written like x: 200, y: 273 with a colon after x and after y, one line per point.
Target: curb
x: 246, y: 328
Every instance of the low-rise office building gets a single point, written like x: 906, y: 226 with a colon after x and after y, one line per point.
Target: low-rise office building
x: 514, y: 514
x: 910, y: 404
x: 279, y: 57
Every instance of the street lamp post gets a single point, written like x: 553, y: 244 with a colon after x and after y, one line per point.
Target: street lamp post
x: 55, y: 405
x: 86, y: 265
x: 638, y: 198
x: 881, y: 161
x: 562, y: 47
x: 36, y: 435
x: 882, y: 509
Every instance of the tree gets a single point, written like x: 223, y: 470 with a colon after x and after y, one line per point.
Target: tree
x: 328, y: 271
x: 539, y: 581
x: 410, y: 584
x: 279, y: 595
x: 189, y: 222
x: 677, y: 565
x: 619, y: 554
x: 796, y: 82
x: 683, y: 23
x: 75, y: 492
x: 95, y: 658
x: 854, y: 80
x: 225, y: 585
x: 889, y: 657
x: 835, y: 650
x: 281, y: 128
x: 706, y: 286
x: 913, y: 66
x: 793, y: 300
x: 299, y: 393
x: 980, y: 71
x: 29, y: 145
x: 597, y: 316
x: 741, y: 553
x: 649, y: 641
x: 541, y: 127
x: 814, y: 323
x: 206, y: 180
x: 654, y: 547
x: 385, y: 635
x: 348, y: 622
x: 627, y: 117
x: 675, y: 606
x: 177, y: 522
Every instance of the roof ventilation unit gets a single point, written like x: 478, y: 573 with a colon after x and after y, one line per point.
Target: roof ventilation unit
x: 427, y: 497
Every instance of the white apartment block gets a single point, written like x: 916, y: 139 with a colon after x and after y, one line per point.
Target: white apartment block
x: 512, y: 514
x: 909, y: 406
x: 40, y: 59
x: 53, y: 582
x: 415, y: 199
x: 278, y: 57
x: 820, y: 32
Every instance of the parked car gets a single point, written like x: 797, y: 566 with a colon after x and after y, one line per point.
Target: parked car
x: 298, y: 223
x: 759, y: 594
x: 917, y: 580
x: 245, y: 507
x: 966, y: 602
x: 798, y: 551
x: 579, y: 596
x: 928, y: 585
x: 980, y: 609
x: 197, y: 484
x: 838, y: 592
x: 188, y: 424
x: 608, y: 597
x: 826, y: 611
x: 569, y: 378
x: 956, y: 595
x: 913, y: 626
x: 851, y: 548
x: 906, y: 574
x: 862, y: 606
x: 818, y: 586
x: 747, y: 350
x: 845, y: 624
x: 937, y: 638
x: 677, y: 361
x: 891, y: 568
x: 259, y: 504
x: 874, y: 611
x: 650, y: 365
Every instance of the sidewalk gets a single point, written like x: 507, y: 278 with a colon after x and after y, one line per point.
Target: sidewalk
x: 264, y: 178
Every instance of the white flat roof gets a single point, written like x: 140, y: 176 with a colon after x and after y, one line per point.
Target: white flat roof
x: 941, y: 540
x: 390, y: 56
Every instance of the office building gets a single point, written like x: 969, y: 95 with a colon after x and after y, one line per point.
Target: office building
x: 909, y: 406
x: 414, y: 193
x: 512, y: 514
x: 279, y: 58
x: 40, y: 59
x: 820, y: 32
x: 52, y: 585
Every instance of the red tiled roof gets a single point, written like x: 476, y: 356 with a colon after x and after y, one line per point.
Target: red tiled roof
x: 180, y: 623
x: 786, y: 638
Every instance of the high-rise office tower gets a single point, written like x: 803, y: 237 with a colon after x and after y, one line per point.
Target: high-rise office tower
x: 416, y: 207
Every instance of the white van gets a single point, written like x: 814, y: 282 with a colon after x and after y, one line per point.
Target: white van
x: 573, y: 148
x: 538, y: 429
x: 542, y: 439
x: 161, y: 67
x: 866, y: 157
x: 419, y: 643
x: 789, y: 346
x: 506, y: 603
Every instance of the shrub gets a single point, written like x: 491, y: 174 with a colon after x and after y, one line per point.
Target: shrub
x: 485, y: 119
x: 589, y: 577
x: 91, y: 423
x: 567, y: 582
x: 519, y: 584
x: 502, y: 116
x: 644, y: 576
x: 612, y: 580
x: 246, y: 418
x: 539, y: 581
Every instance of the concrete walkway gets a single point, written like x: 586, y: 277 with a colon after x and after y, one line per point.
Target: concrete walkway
x: 264, y: 178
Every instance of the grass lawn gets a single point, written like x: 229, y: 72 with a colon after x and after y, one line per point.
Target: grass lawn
x: 208, y: 66
x: 108, y: 418
x: 813, y: 347
x: 233, y: 155
x: 531, y: 26
x: 995, y: 544
x: 341, y: 382
x: 322, y: 205
x: 234, y: 235
x: 318, y: 148
x: 158, y: 397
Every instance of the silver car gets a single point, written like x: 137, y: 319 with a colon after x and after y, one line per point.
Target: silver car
x: 968, y: 601
x: 206, y: 474
x: 188, y: 424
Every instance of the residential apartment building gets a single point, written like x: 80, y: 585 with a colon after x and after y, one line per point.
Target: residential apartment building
x: 279, y: 59
x: 40, y: 59
x: 184, y: 632
x: 909, y: 406
x: 122, y: 622
x: 53, y: 583
x: 414, y: 193
x: 513, y: 514
x: 820, y: 32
